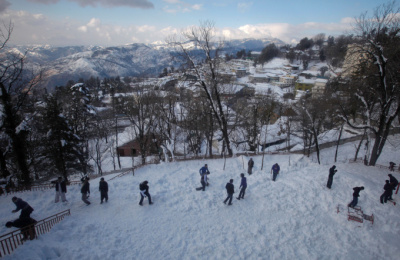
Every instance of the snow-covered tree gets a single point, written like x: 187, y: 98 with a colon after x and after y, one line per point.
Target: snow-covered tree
x: 371, y: 80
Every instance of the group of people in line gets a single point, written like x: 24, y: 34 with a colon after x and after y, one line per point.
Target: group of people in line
x: 389, y: 186
x: 27, y: 223
x: 230, y: 188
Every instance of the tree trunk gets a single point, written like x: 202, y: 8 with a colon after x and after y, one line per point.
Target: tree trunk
x: 338, y: 142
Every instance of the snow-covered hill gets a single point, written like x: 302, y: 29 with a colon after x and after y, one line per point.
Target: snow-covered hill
x: 293, y: 218
x: 74, y: 62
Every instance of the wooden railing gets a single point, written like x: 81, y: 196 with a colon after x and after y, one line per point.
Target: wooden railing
x: 35, y: 187
x: 10, y: 241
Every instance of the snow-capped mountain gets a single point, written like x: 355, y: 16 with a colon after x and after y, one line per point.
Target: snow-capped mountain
x: 74, y: 62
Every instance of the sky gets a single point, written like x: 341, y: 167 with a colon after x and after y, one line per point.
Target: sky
x: 119, y: 22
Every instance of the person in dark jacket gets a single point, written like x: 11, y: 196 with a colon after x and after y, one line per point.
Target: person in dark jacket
x: 103, y: 188
x: 393, y: 183
x: 250, y: 166
x: 25, y: 208
x: 356, y: 194
x: 61, y: 189
x: 85, y: 190
x: 275, y: 171
x: 203, y: 181
x: 332, y: 172
x: 26, y: 225
x: 243, y: 186
x: 230, y: 189
x: 387, y: 193
x: 144, y: 192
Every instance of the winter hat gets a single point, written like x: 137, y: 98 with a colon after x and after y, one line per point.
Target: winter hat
x: 362, y: 187
x: 102, y: 179
x: 334, y: 166
x: 390, y: 175
x: 387, y: 181
x: 231, y: 180
x: 14, y: 198
x: 9, y: 224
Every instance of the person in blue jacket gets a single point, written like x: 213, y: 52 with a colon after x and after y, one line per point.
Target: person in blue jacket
x: 25, y: 208
x: 204, y: 179
x: 243, y: 186
x: 204, y: 170
x: 275, y: 171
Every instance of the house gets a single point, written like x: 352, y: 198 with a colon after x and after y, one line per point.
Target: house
x: 259, y: 78
x: 286, y: 81
x: 319, y: 87
x: 241, y: 73
x: 132, y: 148
x: 304, y: 84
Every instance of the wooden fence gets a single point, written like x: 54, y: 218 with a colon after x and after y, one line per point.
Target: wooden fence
x: 34, y: 188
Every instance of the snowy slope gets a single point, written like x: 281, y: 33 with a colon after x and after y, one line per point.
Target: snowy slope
x: 292, y: 218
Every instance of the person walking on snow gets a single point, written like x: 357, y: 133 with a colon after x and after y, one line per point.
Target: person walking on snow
x: 250, y: 165
x: 204, y: 178
x: 230, y: 189
x: 275, y: 171
x: 393, y: 183
x: 204, y: 181
x: 243, y: 186
x: 332, y: 172
x: 103, y: 188
x: 144, y: 192
x: 85, y: 190
x: 391, y: 166
x: 25, y: 208
x: 204, y: 170
x: 61, y: 189
x: 387, y: 193
x: 356, y: 194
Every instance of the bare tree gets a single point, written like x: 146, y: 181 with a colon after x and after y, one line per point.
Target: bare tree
x: 372, y: 75
x: 208, y: 74
x: 139, y: 109
x: 15, y: 84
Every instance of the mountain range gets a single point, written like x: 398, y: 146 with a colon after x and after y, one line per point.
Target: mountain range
x: 75, y: 62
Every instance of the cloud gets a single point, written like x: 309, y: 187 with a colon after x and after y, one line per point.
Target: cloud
x: 286, y: 32
x: 177, y: 6
x: 44, y: 1
x: 4, y: 4
x: 244, y: 6
x: 107, y: 3
x: 36, y: 28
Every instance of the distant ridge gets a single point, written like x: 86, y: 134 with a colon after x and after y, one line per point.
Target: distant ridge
x: 74, y: 62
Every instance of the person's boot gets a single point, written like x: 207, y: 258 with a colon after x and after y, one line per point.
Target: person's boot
x: 238, y: 198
